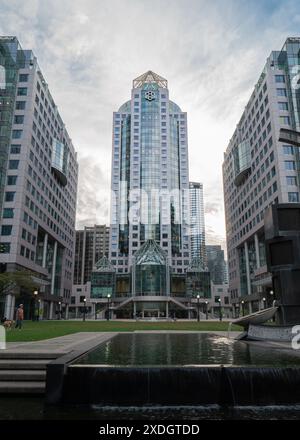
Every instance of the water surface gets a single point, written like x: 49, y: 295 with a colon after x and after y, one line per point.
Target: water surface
x: 145, y: 349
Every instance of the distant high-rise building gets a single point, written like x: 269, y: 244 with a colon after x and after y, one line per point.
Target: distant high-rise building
x: 38, y: 185
x: 92, y: 243
x: 197, y: 222
x: 216, y: 264
x: 261, y: 167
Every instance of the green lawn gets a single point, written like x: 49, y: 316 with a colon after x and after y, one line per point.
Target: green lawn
x: 35, y: 331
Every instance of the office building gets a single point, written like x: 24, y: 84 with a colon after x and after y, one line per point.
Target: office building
x: 197, y: 227
x: 38, y: 185
x: 261, y: 167
x: 216, y: 264
x: 92, y: 243
x: 149, y: 259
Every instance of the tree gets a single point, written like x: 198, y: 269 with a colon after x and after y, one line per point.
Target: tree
x: 20, y: 278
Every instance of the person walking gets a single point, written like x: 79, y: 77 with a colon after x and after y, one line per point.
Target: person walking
x: 19, y: 316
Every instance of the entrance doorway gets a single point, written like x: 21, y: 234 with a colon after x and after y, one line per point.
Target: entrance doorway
x: 151, y: 313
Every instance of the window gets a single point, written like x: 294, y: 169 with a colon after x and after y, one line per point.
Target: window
x: 293, y: 197
x: 20, y: 105
x: 22, y: 91
x: 281, y: 92
x: 13, y: 165
x: 8, y: 213
x: 16, y: 134
x: 284, y: 120
x: 11, y: 180
x: 288, y: 149
x: 6, y: 229
x: 291, y: 180
x: 4, y: 248
x: 279, y: 78
x: 9, y: 196
x: 19, y: 119
x: 15, y: 149
x: 23, y: 77
x: 283, y: 105
x: 289, y: 165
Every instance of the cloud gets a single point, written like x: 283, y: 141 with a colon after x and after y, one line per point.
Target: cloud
x: 212, y: 53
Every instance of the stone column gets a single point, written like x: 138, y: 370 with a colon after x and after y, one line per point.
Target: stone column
x: 134, y: 309
x: 7, y: 309
x: 45, y: 250
x: 247, y: 268
x: 51, y: 310
x: 167, y: 309
x: 256, y: 242
x: 12, y: 306
x: 67, y: 312
x: 53, y: 268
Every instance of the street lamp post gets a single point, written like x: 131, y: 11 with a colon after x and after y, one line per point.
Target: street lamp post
x: 220, y: 309
x: 198, y: 308
x: 243, y: 307
x: 84, y: 308
x: 35, y: 293
x: 59, y: 309
x: 272, y: 297
x: 108, y: 311
x: 206, y: 309
x: 264, y: 302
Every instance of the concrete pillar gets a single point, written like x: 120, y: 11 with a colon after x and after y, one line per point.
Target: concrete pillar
x: 167, y: 309
x: 168, y: 278
x: 256, y: 243
x: 12, y: 307
x: 250, y: 307
x: 51, y: 310
x: 67, y: 311
x: 41, y: 309
x: 134, y: 309
x: 53, y: 268
x: 247, y: 268
x: 45, y: 250
x: 8, y: 309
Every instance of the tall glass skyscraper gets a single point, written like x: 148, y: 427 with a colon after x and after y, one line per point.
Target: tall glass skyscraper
x: 150, y: 177
x: 197, y: 222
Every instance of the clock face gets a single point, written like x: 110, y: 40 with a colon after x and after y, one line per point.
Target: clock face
x: 150, y: 96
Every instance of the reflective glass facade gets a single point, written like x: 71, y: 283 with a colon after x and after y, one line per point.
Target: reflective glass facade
x: 60, y: 161
x: 149, y: 175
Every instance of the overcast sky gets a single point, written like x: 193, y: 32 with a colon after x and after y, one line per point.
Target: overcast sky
x: 211, y: 53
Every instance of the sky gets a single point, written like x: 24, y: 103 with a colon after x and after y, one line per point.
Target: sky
x: 211, y: 53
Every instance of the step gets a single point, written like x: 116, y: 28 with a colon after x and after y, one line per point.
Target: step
x: 22, y: 375
x: 10, y: 354
x: 32, y: 387
x: 23, y: 364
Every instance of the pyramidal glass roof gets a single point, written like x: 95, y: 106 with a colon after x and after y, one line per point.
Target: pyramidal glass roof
x: 104, y: 265
x: 150, y: 77
x: 150, y: 253
x: 196, y: 265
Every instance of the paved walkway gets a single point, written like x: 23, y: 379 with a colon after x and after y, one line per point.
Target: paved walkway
x: 60, y: 345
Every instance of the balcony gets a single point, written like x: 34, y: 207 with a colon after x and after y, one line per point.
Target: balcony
x: 242, y: 162
x: 59, y: 164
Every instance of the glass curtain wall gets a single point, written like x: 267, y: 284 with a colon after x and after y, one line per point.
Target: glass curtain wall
x: 150, y: 160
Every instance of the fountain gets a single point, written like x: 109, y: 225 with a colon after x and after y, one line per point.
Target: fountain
x: 175, y: 369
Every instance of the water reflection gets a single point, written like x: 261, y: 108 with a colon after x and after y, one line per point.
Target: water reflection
x: 185, y: 349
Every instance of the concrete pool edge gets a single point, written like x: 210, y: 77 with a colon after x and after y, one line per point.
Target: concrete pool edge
x: 99, y: 384
x: 57, y: 369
